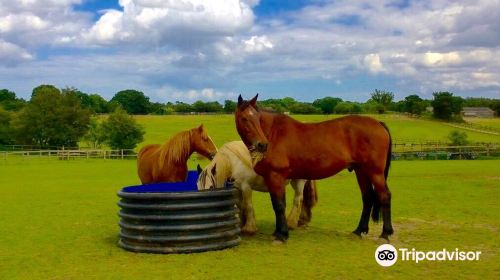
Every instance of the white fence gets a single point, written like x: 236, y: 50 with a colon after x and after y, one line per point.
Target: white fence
x: 70, y: 154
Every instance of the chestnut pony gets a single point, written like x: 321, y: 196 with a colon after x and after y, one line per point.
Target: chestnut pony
x: 288, y: 149
x: 167, y: 163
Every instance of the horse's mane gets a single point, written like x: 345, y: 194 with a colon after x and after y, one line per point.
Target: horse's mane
x: 222, y: 161
x: 238, y: 149
x: 175, y: 149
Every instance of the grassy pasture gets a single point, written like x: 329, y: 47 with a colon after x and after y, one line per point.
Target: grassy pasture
x: 58, y: 221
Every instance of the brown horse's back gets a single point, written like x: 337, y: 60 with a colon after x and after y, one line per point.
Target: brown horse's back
x: 351, y: 140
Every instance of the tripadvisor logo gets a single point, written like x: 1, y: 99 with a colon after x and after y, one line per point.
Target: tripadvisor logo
x: 387, y: 255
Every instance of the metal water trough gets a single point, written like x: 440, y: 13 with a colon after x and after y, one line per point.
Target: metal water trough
x: 176, y: 218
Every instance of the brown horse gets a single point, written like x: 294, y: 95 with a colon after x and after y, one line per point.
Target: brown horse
x: 167, y: 163
x: 288, y: 149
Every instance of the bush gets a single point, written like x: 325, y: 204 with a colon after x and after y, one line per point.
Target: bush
x: 458, y: 138
x: 122, y: 131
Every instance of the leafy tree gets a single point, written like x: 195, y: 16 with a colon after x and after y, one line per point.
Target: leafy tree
x: 98, y: 104
x: 458, y: 138
x: 157, y: 108
x: 273, y: 104
x: 96, y: 135
x: 6, y: 136
x: 52, y: 118
x: 383, y: 99
x: 132, y: 101
x: 414, y: 104
x: 304, y: 108
x: 182, y: 107
x: 327, y: 104
x: 229, y: 106
x: 9, y: 101
x: 347, y: 107
x: 495, y: 106
x: 200, y: 106
x: 287, y: 102
x: 122, y: 131
x: 445, y: 105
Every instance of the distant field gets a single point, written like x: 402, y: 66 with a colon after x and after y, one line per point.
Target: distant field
x: 222, y: 128
x: 59, y: 221
x: 494, y: 123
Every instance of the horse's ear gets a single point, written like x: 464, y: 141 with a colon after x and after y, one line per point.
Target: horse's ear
x: 253, y: 101
x: 214, y: 169
x: 240, y: 100
x: 200, y: 128
x: 198, y: 168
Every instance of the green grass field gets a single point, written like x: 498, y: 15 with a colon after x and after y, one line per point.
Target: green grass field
x: 59, y: 221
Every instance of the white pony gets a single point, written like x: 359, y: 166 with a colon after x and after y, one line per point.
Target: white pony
x: 233, y: 162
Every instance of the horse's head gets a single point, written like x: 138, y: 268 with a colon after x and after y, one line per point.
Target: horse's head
x: 248, y: 125
x: 202, y: 143
x: 207, y: 179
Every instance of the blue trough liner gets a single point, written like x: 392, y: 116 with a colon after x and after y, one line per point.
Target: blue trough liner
x: 187, y: 186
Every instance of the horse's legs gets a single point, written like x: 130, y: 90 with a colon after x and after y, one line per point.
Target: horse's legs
x: 293, y: 217
x: 249, y: 227
x: 384, y: 198
x: 276, y: 185
x: 368, y: 196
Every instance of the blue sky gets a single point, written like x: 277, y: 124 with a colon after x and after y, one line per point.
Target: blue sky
x: 214, y: 50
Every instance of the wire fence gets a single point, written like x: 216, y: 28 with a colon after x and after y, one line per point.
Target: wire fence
x: 70, y: 154
x: 427, y: 150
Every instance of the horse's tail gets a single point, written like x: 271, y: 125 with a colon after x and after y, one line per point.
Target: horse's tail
x: 309, y: 199
x: 310, y: 195
x: 376, y: 203
x: 389, y: 152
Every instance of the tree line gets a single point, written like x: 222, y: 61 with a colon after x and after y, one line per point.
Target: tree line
x: 65, y: 117
x: 55, y: 118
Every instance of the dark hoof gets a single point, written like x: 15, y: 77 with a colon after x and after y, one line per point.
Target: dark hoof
x: 360, y: 231
x: 386, y: 233
x: 385, y: 236
x: 357, y: 233
x: 281, y: 236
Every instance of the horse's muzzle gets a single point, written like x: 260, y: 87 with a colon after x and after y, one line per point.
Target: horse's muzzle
x: 261, y: 147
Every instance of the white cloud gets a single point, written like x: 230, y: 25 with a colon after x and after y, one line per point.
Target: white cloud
x: 10, y: 53
x: 373, y: 63
x: 174, y: 23
x: 257, y: 44
x: 207, y: 94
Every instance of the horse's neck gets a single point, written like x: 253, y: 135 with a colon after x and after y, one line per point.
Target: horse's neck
x: 268, y: 120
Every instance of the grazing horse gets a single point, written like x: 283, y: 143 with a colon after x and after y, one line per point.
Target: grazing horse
x: 167, y: 163
x: 233, y: 161
x: 289, y: 149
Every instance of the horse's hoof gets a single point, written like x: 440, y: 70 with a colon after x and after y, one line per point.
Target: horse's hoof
x: 292, y: 226
x: 385, y: 237
x: 357, y: 233
x: 278, y: 242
